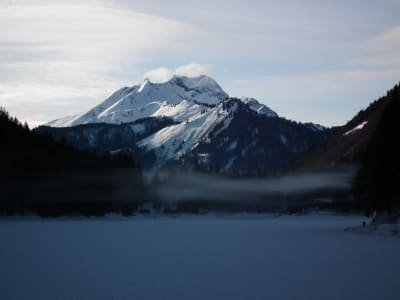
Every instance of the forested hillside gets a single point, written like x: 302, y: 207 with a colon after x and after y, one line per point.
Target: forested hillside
x: 47, y: 177
x: 377, y: 183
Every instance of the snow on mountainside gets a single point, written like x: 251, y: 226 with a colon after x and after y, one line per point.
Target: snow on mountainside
x: 170, y: 122
x: 179, y: 98
x: 249, y: 143
x: 358, y: 127
x: 174, y: 141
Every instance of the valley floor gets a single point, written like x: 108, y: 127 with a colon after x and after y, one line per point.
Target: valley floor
x: 204, y: 257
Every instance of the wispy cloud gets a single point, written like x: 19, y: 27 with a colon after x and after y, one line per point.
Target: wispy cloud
x: 189, y: 70
x: 333, y: 96
x: 73, y: 48
x: 382, y: 50
x: 386, y: 41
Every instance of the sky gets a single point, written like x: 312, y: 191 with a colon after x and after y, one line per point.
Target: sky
x: 320, y: 61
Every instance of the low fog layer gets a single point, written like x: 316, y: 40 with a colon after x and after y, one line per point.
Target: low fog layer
x: 184, y: 186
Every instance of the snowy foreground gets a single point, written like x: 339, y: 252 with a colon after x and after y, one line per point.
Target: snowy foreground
x: 207, y: 257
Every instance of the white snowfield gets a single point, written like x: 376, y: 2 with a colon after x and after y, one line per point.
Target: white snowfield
x: 173, y: 141
x: 358, y: 127
x: 179, y: 98
x: 197, y: 103
x: 307, y: 257
x: 173, y: 98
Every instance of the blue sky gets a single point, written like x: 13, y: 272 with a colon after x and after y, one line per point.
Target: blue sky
x: 319, y: 61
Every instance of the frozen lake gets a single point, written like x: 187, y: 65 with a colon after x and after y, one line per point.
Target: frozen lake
x: 237, y: 257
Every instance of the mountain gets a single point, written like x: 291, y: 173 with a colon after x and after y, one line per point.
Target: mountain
x: 250, y: 143
x: 179, y: 98
x: 190, y: 123
x: 347, y: 144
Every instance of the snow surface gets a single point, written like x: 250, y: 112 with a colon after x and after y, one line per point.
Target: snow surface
x: 187, y: 100
x: 173, y: 141
x: 208, y: 257
x: 150, y: 99
x: 358, y: 127
x: 382, y: 229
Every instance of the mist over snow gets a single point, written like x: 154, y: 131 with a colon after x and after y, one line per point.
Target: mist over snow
x: 188, y: 186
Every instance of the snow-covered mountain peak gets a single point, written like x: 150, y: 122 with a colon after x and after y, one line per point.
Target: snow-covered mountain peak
x: 259, y: 108
x: 201, y: 89
x: 151, y: 99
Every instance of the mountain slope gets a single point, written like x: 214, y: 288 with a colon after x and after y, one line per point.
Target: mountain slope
x: 196, y: 107
x: 151, y: 100
x: 111, y: 138
x: 247, y: 143
x: 348, y: 143
x: 376, y: 183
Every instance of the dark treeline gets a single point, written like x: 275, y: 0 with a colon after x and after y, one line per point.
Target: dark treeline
x: 337, y: 200
x: 377, y: 183
x: 39, y: 175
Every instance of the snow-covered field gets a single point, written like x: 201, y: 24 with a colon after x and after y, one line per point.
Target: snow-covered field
x: 205, y: 257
